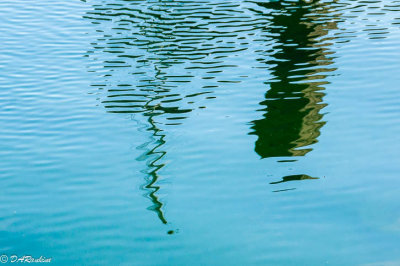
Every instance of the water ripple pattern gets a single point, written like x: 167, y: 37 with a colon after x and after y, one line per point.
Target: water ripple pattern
x: 206, y: 132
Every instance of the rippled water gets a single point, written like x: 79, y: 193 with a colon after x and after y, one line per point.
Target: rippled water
x: 200, y: 132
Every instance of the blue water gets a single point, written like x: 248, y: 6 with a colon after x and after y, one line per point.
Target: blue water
x: 200, y: 132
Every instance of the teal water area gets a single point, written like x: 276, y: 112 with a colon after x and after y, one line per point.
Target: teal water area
x: 200, y: 132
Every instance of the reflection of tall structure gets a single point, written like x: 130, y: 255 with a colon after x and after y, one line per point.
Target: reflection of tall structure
x: 292, y: 118
x: 131, y: 52
x: 145, y: 57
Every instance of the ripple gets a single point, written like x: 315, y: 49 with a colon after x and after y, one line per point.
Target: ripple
x: 151, y: 131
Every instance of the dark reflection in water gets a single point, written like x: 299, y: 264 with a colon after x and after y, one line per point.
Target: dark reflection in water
x: 300, y: 59
x: 153, y: 166
x: 162, y: 59
x: 293, y: 178
x: 299, y: 65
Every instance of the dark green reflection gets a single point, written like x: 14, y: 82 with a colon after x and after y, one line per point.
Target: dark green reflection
x: 293, y: 178
x: 292, y: 116
x: 147, y: 55
x: 153, y: 154
x: 299, y: 62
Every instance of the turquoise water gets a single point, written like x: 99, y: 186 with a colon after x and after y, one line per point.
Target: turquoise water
x: 200, y: 132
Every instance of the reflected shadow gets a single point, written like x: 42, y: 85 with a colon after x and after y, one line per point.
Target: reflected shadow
x: 299, y: 63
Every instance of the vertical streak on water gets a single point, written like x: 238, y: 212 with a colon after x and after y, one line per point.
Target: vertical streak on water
x: 151, y: 150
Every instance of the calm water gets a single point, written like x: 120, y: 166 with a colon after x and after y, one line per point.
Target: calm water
x: 201, y: 132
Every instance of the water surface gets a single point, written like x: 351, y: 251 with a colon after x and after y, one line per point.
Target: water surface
x: 200, y: 132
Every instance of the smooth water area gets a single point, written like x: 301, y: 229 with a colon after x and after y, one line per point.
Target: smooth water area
x: 202, y: 132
